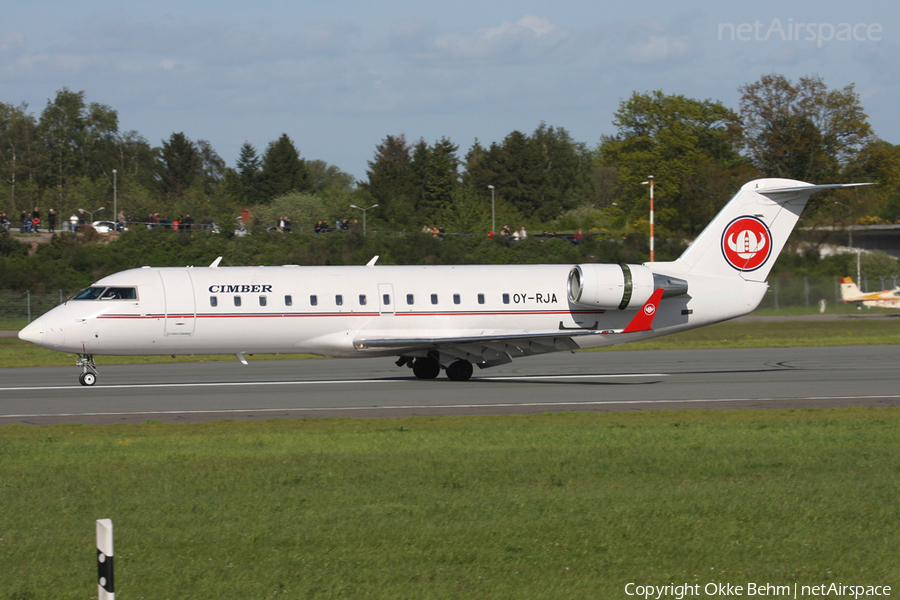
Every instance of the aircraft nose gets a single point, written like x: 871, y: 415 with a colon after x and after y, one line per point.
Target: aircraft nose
x: 33, y: 332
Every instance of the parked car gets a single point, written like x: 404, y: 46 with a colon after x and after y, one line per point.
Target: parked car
x: 107, y: 226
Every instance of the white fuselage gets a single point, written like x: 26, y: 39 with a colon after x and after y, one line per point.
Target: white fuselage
x: 324, y: 310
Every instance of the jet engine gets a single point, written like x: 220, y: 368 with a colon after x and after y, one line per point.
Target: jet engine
x: 619, y: 286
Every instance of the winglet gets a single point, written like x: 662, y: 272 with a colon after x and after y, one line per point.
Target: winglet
x: 644, y: 318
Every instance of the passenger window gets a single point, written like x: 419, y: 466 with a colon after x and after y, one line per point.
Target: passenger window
x: 410, y: 299
x: 362, y: 299
x: 313, y: 300
x: 262, y: 300
x: 480, y: 298
x: 237, y: 300
x: 213, y: 301
x: 505, y: 298
x: 339, y: 299
x: 288, y: 301
x: 455, y: 298
x: 434, y: 298
x: 386, y: 299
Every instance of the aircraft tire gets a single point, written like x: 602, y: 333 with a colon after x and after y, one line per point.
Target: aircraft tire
x: 87, y: 379
x: 426, y: 368
x: 460, y: 370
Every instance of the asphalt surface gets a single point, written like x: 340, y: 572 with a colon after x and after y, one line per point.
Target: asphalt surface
x: 585, y: 381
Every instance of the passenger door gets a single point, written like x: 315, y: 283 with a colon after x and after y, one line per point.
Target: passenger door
x: 180, y: 309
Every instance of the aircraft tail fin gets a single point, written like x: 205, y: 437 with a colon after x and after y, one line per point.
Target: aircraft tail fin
x: 849, y: 290
x: 749, y: 233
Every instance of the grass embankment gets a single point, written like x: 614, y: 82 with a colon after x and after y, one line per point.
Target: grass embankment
x: 844, y: 332
x: 549, y: 506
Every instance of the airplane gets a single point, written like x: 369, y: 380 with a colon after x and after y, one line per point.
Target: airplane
x: 432, y: 318
x: 886, y: 299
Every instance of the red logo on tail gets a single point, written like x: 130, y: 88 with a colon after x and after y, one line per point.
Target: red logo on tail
x: 746, y: 243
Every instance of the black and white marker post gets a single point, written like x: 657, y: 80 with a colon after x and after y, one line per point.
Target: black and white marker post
x: 105, y: 589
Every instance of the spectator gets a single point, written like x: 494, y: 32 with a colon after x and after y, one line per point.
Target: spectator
x: 287, y: 224
x: 36, y: 217
x: 4, y: 221
x: 73, y: 223
x: 22, y: 219
x: 578, y: 237
x: 523, y: 234
x: 51, y: 221
x: 188, y: 222
x: 82, y: 219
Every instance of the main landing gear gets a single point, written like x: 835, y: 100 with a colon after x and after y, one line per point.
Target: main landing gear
x: 89, y: 376
x: 428, y: 367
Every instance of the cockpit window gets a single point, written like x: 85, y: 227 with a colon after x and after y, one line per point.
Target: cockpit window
x: 105, y: 293
x: 119, y: 293
x: 91, y: 293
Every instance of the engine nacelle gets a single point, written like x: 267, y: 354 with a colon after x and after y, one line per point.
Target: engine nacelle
x: 618, y: 286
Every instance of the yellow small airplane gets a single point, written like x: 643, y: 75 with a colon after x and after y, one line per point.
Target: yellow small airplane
x: 886, y: 299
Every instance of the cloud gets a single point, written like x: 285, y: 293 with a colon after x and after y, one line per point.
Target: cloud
x: 528, y: 40
x: 657, y: 48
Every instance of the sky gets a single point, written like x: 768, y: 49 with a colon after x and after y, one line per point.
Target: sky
x: 340, y: 76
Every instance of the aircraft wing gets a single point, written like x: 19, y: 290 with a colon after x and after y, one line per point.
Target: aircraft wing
x: 487, y: 350
x: 483, y: 350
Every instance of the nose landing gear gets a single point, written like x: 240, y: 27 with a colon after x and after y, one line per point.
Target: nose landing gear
x: 89, y: 376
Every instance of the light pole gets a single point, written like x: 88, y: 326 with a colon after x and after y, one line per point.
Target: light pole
x: 650, y: 177
x: 364, y: 213
x: 91, y: 212
x: 493, y: 220
x: 115, y: 198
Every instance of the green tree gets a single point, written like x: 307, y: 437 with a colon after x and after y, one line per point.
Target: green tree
x: 78, y: 140
x: 802, y: 131
x: 689, y: 146
x: 182, y: 166
x: 18, y: 158
x: 301, y: 208
x: 391, y: 183
x: 540, y: 175
x: 283, y: 171
x: 435, y: 171
x: 249, y: 168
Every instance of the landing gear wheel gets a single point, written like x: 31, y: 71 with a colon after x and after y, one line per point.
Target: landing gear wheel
x: 89, y: 376
x: 460, y: 370
x: 426, y: 368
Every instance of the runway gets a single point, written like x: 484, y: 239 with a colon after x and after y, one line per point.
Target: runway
x: 585, y: 381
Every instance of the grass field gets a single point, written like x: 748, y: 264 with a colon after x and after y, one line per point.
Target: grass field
x: 506, y: 507
x: 549, y: 506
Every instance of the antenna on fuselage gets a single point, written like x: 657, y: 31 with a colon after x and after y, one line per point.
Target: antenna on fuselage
x: 371, y: 263
x: 215, y: 263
